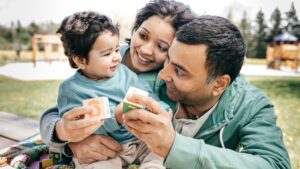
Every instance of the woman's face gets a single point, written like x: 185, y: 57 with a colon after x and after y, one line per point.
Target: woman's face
x: 150, y: 44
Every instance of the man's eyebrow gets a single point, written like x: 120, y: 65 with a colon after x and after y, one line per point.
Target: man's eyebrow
x: 180, y: 66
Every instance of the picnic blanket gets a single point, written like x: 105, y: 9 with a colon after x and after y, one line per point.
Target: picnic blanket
x: 32, y: 153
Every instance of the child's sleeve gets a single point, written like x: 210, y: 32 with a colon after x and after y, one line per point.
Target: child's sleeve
x: 67, y: 99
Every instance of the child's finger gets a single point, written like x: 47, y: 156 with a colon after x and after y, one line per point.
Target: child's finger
x: 77, y: 112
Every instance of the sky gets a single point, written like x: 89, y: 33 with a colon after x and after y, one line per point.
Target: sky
x: 55, y: 10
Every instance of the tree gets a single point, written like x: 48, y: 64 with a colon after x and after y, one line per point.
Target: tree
x: 33, y: 28
x: 245, y: 28
x: 48, y: 28
x: 12, y: 35
x: 244, y: 24
x: 3, y: 34
x: 3, y: 43
x: 18, y: 46
x: 292, y: 18
x: 20, y: 37
x: 5, y: 37
x: 293, y: 24
x: 260, y: 35
x: 276, y: 25
x: 230, y: 16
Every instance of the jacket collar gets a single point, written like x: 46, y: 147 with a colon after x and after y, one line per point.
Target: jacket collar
x: 224, y: 111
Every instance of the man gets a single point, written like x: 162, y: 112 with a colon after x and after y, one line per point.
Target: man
x: 221, y: 120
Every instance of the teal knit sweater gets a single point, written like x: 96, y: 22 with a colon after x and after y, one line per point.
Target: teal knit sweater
x: 78, y: 88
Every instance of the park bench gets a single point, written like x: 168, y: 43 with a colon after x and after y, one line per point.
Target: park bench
x: 18, y: 131
x: 19, y: 138
x: 15, y: 128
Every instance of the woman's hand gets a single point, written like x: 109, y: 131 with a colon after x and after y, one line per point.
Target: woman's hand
x: 95, y: 148
x: 154, y: 127
x: 72, y: 128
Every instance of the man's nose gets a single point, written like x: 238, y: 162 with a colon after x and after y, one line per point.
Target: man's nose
x: 165, y: 73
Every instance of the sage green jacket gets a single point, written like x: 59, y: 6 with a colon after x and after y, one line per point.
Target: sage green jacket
x: 251, y: 138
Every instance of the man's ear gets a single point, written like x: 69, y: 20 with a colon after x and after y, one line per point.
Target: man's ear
x: 80, y: 62
x: 220, y: 85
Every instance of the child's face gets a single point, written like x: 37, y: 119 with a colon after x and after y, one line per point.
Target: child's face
x: 104, y: 57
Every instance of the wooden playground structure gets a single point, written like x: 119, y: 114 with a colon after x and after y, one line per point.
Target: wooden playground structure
x: 51, y: 45
x: 285, y: 50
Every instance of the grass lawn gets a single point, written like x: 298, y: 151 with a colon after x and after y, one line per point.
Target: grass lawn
x: 255, y: 61
x: 285, y: 94
x: 27, y: 98
x: 31, y: 98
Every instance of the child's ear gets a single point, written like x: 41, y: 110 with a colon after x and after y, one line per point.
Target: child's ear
x: 80, y: 62
x: 220, y: 85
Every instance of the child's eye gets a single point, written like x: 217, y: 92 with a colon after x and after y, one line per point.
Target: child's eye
x: 106, y: 54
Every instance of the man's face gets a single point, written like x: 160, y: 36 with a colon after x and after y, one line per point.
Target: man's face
x: 185, y: 74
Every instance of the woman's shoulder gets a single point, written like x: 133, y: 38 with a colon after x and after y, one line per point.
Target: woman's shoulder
x: 123, y: 49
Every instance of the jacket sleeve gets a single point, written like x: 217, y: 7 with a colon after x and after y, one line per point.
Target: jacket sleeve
x: 260, y: 138
x: 47, y: 128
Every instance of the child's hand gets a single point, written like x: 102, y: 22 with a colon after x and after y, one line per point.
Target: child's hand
x: 72, y: 127
x: 119, y: 113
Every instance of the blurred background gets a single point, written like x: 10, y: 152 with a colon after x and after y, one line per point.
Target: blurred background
x: 32, y: 63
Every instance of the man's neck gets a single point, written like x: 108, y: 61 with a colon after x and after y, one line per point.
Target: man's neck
x: 188, y: 111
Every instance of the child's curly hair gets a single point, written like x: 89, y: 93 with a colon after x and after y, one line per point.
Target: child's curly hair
x: 80, y: 31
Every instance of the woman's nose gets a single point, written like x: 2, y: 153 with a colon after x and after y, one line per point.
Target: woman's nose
x: 147, y: 48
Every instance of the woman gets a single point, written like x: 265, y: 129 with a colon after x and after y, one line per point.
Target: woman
x: 153, y: 32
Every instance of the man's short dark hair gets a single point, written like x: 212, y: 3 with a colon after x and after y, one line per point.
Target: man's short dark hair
x: 225, y: 44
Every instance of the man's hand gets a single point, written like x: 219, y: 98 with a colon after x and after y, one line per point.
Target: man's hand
x: 95, y: 148
x: 73, y: 128
x: 119, y: 113
x: 154, y: 128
